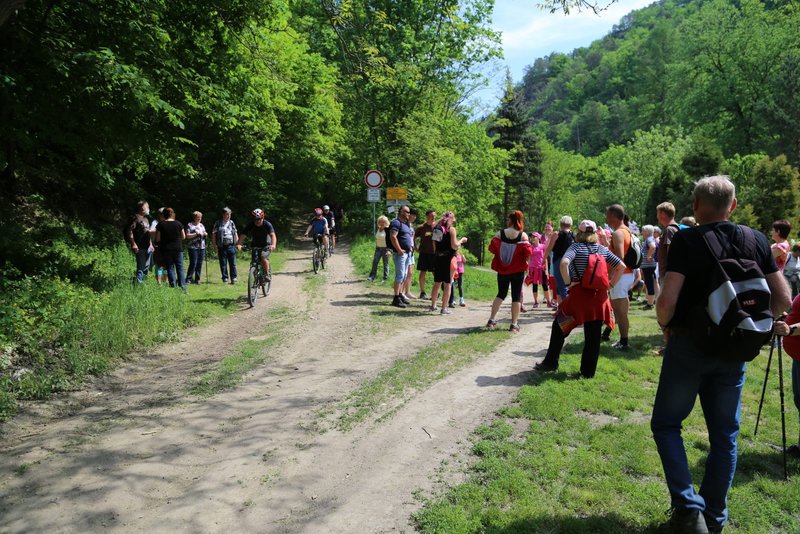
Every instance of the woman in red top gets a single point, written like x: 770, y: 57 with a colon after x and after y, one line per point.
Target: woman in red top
x: 512, y: 251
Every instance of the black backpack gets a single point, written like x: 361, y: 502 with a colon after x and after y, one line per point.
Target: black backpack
x: 633, y: 256
x: 735, y: 320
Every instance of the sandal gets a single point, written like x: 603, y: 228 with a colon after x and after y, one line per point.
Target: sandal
x: 514, y: 328
x: 523, y: 309
x: 491, y: 323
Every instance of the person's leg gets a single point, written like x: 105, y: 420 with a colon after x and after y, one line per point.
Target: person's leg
x: 385, y: 257
x: 649, y: 275
x: 550, y: 362
x: 179, y: 270
x: 517, y: 280
x: 503, y: 281
x: 198, y: 269
x: 232, y: 252
x: 192, y: 264
x: 796, y: 390
x: 452, y: 300
x: 620, y: 307
x: 399, y: 272
x: 591, y: 348
x: 223, y: 263
x: 446, y: 287
x: 435, y: 293
x: 375, y: 259
x: 678, y: 386
x: 143, y: 259
x: 720, y: 396
x: 409, y: 274
x: 169, y: 258
x: 460, y: 283
x: 422, y: 281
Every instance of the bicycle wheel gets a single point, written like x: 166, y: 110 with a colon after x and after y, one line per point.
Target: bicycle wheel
x: 252, y: 285
x: 267, y: 282
x: 315, y: 259
x: 323, y: 256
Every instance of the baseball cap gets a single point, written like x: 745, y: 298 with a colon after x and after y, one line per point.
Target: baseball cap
x: 537, y: 235
x: 587, y: 226
x: 226, y: 210
x: 326, y: 207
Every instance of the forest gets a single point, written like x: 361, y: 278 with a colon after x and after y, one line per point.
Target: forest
x: 284, y: 105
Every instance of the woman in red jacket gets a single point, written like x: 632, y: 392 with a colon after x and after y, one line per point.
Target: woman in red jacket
x: 512, y: 251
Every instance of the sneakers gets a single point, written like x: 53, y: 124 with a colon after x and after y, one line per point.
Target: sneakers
x: 647, y: 307
x: 398, y: 302
x: 233, y: 281
x: 535, y: 304
x: 541, y: 367
x: 445, y: 311
x: 619, y: 346
x: 423, y: 296
x: 370, y: 279
x: 433, y: 308
x: 461, y: 302
x: 685, y: 521
x: 491, y: 323
x: 403, y: 298
x: 514, y: 328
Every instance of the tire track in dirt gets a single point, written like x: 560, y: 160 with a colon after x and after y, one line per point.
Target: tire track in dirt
x: 137, y: 453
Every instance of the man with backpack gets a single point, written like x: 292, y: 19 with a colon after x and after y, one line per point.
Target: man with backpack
x: 225, y: 236
x: 137, y: 234
x: 714, y: 271
x: 624, y: 244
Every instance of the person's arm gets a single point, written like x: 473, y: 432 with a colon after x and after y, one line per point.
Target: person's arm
x: 394, y: 241
x: 668, y: 298
x: 308, y: 229
x: 183, y: 234
x: 618, y: 243
x: 550, y: 244
x: 158, y: 236
x: 651, y: 249
x: 129, y: 237
x: 563, y: 266
x: 274, y: 239
x: 454, y: 241
x: 616, y: 274
x: 780, y: 299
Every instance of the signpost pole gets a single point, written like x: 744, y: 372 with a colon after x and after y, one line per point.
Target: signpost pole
x: 374, y: 230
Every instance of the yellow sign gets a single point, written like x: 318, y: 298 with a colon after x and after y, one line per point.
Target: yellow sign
x: 396, y: 193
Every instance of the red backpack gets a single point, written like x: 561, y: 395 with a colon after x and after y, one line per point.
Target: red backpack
x: 595, y: 276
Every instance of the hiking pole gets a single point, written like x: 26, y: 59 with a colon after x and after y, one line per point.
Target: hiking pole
x: 205, y: 253
x: 783, y: 410
x: 766, y: 376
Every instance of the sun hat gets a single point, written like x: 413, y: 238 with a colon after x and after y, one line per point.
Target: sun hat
x: 587, y: 226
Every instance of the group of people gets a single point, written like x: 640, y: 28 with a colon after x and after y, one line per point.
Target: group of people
x: 438, y: 247
x: 158, y: 244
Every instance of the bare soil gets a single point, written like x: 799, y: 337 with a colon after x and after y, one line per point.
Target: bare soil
x: 135, y: 451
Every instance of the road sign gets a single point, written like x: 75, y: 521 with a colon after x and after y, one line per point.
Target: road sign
x: 396, y: 193
x: 373, y: 179
x: 397, y: 202
x: 373, y: 195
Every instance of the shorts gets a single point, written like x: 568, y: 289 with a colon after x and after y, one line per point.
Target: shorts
x: 427, y: 262
x: 441, y: 269
x: 620, y: 291
x: 265, y: 252
x: 410, y: 261
x: 400, y: 266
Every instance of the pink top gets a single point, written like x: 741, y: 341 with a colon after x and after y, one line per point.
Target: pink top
x: 460, y: 263
x: 781, y: 259
x: 536, y: 266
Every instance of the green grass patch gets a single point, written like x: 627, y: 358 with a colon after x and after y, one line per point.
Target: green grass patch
x: 480, y: 283
x: 54, y: 333
x: 380, y: 396
x: 574, y: 455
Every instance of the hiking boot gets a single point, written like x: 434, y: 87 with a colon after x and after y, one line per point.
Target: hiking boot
x: 542, y: 367
x: 514, y: 328
x: 403, y: 298
x: 397, y: 302
x: 445, y: 311
x: 685, y: 521
x: 619, y: 346
x: 423, y: 296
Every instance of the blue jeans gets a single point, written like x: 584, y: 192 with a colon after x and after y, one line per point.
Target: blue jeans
x: 143, y: 260
x: 400, y: 266
x: 686, y: 373
x: 380, y: 254
x: 174, y: 262
x: 227, y: 256
x: 196, y: 257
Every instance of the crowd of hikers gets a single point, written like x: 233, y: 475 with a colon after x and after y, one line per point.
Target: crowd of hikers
x: 720, y: 291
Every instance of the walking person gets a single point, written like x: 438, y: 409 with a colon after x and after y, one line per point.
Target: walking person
x: 196, y: 235
x: 512, y: 252
x: 401, y: 243
x: 583, y: 306
x: 558, y: 245
x: 170, y: 236
x: 137, y: 234
x: 158, y: 265
x: 649, y: 264
x: 424, y: 233
x: 406, y: 289
x: 225, y: 238
x: 382, y: 251
x: 458, y: 280
x: 447, y: 243
x: 689, y: 371
x: 620, y: 243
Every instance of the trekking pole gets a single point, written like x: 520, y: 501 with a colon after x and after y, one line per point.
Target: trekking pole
x: 205, y: 250
x: 783, y: 410
x: 766, y: 376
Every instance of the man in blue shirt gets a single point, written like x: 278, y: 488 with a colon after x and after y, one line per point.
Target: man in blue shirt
x: 401, y: 242
x: 319, y: 224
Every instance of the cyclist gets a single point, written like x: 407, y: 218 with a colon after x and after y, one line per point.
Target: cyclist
x: 320, y: 226
x: 332, y: 230
x: 262, y: 235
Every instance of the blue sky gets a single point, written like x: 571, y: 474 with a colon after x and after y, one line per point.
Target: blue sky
x: 530, y: 32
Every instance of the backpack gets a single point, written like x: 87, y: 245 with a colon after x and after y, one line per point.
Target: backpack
x: 595, y: 276
x: 438, y: 233
x: 735, y: 320
x: 633, y: 257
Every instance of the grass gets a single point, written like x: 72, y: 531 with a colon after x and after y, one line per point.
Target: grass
x: 59, y: 333
x: 577, y: 455
x: 382, y: 395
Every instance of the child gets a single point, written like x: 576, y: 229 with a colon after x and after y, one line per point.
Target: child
x: 537, y: 273
x: 458, y: 278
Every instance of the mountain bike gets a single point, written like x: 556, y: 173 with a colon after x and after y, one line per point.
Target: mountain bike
x: 320, y: 253
x: 257, y: 278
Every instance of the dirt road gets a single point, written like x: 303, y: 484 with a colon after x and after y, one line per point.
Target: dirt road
x: 137, y: 452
